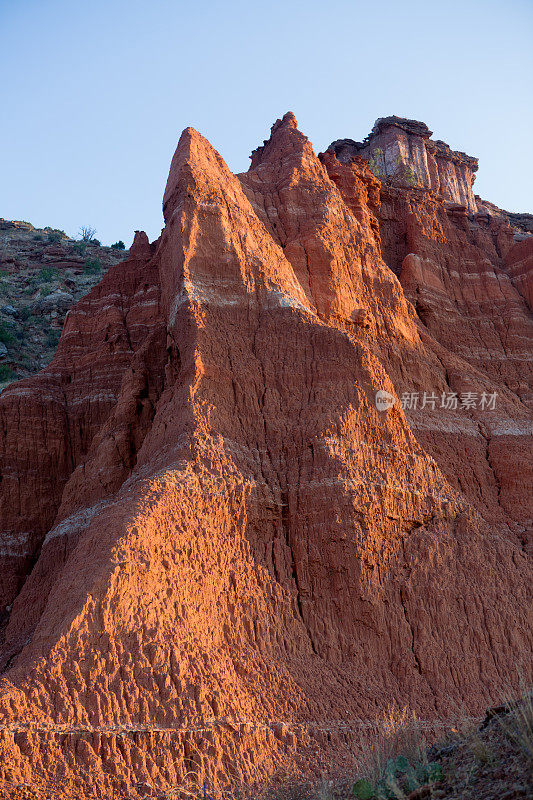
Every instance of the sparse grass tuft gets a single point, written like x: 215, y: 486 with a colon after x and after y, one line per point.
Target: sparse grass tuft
x: 517, y: 719
x: 394, y: 762
x: 396, y: 733
x: 25, y: 313
x: 479, y: 750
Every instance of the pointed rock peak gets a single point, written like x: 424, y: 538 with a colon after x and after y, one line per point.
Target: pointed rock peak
x: 192, y: 147
x: 282, y: 134
x: 141, y: 246
x: 287, y: 121
x: 194, y: 154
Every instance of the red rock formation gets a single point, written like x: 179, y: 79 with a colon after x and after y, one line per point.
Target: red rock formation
x: 400, y: 150
x: 518, y: 262
x: 49, y: 422
x: 242, y: 550
x: 468, y: 285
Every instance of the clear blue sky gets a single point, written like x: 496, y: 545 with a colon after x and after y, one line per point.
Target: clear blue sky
x: 94, y: 95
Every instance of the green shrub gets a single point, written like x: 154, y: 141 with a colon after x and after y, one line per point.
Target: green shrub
x: 6, y: 337
x: 118, y: 245
x: 394, y: 758
x: 25, y: 313
x: 409, y: 176
x: 400, y: 778
x: 376, y: 163
x: 52, y: 231
x: 52, y: 337
x: 48, y: 274
x: 6, y: 373
x: 363, y: 789
x: 92, y: 266
x: 79, y: 247
x: 97, y: 242
x: 54, y: 236
x: 38, y: 237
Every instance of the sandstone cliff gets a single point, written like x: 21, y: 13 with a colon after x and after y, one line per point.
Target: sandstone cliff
x: 219, y: 556
x: 402, y: 151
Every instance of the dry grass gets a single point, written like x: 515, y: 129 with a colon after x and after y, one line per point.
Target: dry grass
x: 397, y: 732
x: 517, y: 718
x: 474, y: 752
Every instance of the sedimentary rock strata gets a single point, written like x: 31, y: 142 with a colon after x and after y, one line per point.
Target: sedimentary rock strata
x: 401, y: 151
x: 220, y: 556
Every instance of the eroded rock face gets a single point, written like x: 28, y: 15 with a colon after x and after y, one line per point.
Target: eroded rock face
x: 401, y: 151
x: 243, y: 551
x: 468, y: 277
x: 50, y: 422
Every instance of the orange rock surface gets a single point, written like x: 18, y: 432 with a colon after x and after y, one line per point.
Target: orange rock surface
x: 218, y: 556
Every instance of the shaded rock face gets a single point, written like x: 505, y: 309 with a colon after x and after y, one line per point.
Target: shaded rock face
x: 215, y: 545
x: 401, y: 151
x: 52, y: 422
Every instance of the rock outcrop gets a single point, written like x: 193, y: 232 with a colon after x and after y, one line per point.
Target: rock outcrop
x: 51, y: 422
x: 401, y: 151
x: 43, y: 273
x: 219, y: 554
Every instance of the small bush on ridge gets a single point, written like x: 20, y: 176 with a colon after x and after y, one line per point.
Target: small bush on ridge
x: 92, y: 266
x: 6, y: 373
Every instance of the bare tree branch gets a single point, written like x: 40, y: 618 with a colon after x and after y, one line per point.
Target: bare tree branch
x: 86, y: 233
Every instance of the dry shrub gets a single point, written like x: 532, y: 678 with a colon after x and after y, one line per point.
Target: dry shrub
x: 517, y: 717
x: 396, y: 732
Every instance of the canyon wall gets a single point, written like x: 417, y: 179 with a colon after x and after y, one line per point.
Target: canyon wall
x: 220, y: 556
